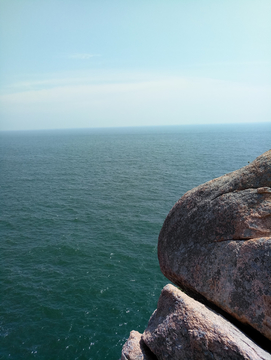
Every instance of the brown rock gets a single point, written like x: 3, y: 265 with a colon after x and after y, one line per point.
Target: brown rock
x: 135, y: 349
x: 216, y: 242
x: 183, y: 328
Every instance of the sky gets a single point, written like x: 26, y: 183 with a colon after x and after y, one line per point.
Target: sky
x: 100, y: 63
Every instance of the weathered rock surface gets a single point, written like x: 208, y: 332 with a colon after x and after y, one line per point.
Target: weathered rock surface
x: 136, y: 349
x: 216, y: 242
x: 183, y: 328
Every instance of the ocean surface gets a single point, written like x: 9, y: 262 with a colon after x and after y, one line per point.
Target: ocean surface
x: 80, y: 214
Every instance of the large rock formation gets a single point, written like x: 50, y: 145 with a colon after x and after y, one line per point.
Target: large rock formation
x: 182, y: 328
x: 216, y: 242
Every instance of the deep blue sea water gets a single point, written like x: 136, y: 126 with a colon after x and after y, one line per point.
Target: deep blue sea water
x: 80, y: 214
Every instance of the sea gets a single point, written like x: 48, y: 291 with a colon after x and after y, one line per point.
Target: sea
x: 80, y: 215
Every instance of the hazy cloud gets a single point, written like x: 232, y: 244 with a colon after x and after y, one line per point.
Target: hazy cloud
x: 171, y: 101
x: 82, y: 56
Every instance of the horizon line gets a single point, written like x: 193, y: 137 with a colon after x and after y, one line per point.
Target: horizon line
x: 135, y: 126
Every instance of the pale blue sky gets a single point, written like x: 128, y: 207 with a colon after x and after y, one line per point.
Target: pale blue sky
x: 79, y: 63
